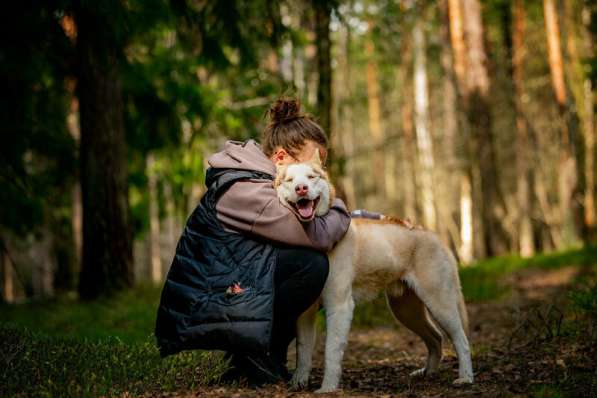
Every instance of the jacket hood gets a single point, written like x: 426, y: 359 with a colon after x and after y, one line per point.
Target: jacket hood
x: 244, y: 156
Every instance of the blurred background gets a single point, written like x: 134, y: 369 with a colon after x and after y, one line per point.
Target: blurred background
x: 472, y: 118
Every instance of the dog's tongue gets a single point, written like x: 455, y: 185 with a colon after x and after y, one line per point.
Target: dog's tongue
x: 305, y: 208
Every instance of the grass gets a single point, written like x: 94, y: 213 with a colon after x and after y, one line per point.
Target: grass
x: 42, y: 365
x: 482, y: 281
x: 129, y: 316
x: 64, y: 347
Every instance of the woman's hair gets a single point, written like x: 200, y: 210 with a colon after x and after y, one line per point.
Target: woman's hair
x: 289, y: 128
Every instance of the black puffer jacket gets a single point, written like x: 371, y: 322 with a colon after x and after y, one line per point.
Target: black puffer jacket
x: 219, y: 292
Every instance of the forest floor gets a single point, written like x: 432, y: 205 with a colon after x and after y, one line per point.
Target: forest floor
x: 523, y: 344
x: 533, y: 333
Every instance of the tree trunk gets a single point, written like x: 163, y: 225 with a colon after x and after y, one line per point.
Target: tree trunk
x: 568, y: 177
x: 524, y: 191
x: 345, y: 120
x: 323, y: 43
x: 424, y: 141
x: 589, y: 127
x: 73, y: 125
x: 486, y: 185
x: 374, y: 113
x: 452, y: 168
x: 457, y: 40
x: 155, y: 259
x: 107, y: 248
x: 466, y: 249
x: 172, y: 225
x: 8, y: 288
x: 409, y: 154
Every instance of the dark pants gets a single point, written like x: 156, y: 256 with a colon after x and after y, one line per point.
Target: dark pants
x: 299, y: 279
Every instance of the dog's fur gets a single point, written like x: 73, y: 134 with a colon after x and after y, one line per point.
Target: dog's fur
x: 418, y: 273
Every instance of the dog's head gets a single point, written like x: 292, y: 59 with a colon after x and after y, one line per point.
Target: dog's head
x: 305, y: 188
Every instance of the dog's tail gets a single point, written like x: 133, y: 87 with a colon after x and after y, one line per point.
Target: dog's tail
x: 463, y: 313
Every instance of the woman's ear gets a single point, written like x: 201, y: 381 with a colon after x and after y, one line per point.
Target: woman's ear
x: 279, y: 156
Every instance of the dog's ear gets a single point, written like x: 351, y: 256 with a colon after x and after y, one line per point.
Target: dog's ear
x: 280, y: 174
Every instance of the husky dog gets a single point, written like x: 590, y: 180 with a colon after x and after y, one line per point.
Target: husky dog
x: 418, y: 273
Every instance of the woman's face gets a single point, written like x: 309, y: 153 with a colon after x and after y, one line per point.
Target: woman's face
x: 280, y: 156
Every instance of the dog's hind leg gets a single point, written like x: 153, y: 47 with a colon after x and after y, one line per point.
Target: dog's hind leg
x: 441, y: 298
x: 408, y: 308
x: 305, y: 343
x: 339, y: 307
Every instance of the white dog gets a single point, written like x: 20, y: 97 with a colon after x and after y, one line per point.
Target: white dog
x: 418, y: 273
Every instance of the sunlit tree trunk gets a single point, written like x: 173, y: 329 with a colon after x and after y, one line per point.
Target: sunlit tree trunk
x: 73, y: 126
x: 8, y: 288
x: 155, y: 259
x: 486, y: 192
x: 523, y: 188
x: 409, y: 159
x: 577, y: 20
x: 589, y: 127
x: 567, y: 168
x: 107, y: 244
x: 424, y: 141
x: 345, y: 119
x: 449, y: 183
x: 374, y: 112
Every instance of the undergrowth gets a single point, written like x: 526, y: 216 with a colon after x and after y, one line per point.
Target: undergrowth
x: 36, y: 364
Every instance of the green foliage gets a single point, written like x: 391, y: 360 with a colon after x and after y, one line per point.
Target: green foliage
x: 41, y: 365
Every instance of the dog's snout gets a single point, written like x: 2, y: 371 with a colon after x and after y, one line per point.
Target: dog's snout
x: 301, y: 189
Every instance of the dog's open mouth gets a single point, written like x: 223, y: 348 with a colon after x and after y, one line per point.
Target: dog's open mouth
x: 305, y: 208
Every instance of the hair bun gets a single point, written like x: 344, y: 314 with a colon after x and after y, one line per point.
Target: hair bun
x: 284, y: 110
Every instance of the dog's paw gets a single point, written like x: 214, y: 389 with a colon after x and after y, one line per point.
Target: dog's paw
x: 419, y: 373
x: 299, y: 381
x: 325, y: 390
x: 462, y: 381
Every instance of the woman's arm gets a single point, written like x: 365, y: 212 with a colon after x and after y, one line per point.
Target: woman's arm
x: 254, y: 207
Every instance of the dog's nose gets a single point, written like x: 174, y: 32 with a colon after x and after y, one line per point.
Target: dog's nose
x: 301, y: 190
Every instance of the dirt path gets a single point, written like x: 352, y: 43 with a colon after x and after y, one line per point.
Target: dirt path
x: 518, y: 345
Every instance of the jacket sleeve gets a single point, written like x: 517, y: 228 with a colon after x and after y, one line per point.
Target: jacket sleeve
x: 253, y: 207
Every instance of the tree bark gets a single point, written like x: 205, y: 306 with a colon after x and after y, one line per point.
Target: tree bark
x: 8, y: 288
x: 374, y: 113
x: 524, y: 190
x: 589, y: 127
x: 409, y: 158
x: 323, y: 43
x: 155, y: 259
x: 107, y: 248
x: 489, y: 202
x: 424, y: 141
x: 568, y: 176
x: 452, y: 168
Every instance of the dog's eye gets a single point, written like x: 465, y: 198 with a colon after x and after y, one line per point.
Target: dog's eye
x: 288, y: 179
x: 311, y: 177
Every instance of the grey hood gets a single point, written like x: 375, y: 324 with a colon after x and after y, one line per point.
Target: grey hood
x: 244, y: 156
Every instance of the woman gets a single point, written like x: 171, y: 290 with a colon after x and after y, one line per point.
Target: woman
x: 245, y: 267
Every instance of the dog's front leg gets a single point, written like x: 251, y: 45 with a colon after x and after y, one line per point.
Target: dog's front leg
x: 339, y: 318
x: 305, y: 344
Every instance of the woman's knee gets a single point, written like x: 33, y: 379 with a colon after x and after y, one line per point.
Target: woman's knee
x: 318, y: 267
